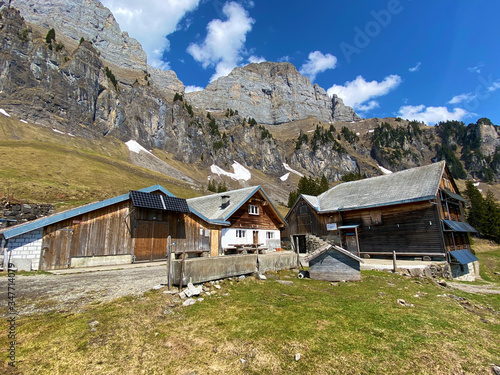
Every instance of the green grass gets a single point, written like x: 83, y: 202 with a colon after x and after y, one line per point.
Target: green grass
x: 348, y: 328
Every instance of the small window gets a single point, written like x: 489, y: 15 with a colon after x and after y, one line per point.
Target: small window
x: 253, y: 210
x: 269, y: 235
x: 303, y: 209
x: 240, y: 233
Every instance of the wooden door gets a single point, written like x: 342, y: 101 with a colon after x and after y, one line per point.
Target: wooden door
x: 255, y: 236
x: 214, y: 243
x: 352, y: 244
x: 160, y: 235
x: 151, y: 240
x: 56, y: 249
x: 143, y: 240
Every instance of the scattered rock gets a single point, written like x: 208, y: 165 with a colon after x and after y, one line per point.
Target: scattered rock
x: 495, y: 369
x: 295, y: 270
x: 189, y: 302
x: 297, y: 356
x: 93, y: 323
x: 171, y: 291
x: 243, y: 361
x: 402, y: 302
x: 156, y: 334
x: 192, y: 290
x: 261, y: 277
x: 287, y: 277
x: 159, y: 286
x: 168, y: 312
x: 207, y: 294
x: 241, y: 278
x: 285, y: 282
x: 182, y: 295
x: 442, y: 282
x: 217, y: 286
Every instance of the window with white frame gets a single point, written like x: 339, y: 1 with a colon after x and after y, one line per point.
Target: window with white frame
x: 269, y: 235
x: 240, y: 233
x: 253, y: 210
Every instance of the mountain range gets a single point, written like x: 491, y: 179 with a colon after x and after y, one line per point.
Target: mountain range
x: 67, y: 66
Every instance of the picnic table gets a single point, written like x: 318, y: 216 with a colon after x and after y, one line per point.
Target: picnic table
x: 239, y: 248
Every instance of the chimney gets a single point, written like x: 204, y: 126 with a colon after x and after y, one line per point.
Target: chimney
x: 225, y: 201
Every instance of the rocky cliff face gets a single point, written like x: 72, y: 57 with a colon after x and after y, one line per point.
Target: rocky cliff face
x: 71, y: 88
x: 89, y: 19
x: 272, y: 93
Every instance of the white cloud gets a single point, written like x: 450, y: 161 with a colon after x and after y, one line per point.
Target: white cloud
x: 317, y: 63
x: 431, y: 115
x: 192, y: 88
x: 284, y: 59
x: 462, y: 98
x: 223, y: 46
x: 151, y: 22
x: 476, y: 69
x: 494, y: 86
x: 256, y: 59
x: 359, y: 91
x: 415, y: 68
x: 372, y: 104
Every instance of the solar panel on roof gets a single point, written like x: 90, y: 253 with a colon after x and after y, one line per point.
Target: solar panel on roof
x: 158, y: 202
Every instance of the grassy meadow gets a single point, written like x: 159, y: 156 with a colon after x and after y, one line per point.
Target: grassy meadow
x: 42, y: 166
x: 258, y: 327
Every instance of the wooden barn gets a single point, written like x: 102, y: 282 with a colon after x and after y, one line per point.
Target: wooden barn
x: 332, y: 263
x: 249, y: 220
x: 417, y: 213
x: 133, y: 227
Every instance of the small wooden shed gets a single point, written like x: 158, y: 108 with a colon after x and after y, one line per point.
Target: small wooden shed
x: 333, y: 263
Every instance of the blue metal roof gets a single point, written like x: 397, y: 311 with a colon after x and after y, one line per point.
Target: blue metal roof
x: 459, y: 226
x: 463, y: 256
x: 43, y: 222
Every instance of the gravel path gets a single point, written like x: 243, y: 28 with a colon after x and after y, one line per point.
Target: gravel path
x: 481, y: 289
x: 45, y: 293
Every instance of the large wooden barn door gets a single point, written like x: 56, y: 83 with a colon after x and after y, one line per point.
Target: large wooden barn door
x: 150, y: 240
x: 160, y: 235
x: 56, y: 249
x: 214, y: 243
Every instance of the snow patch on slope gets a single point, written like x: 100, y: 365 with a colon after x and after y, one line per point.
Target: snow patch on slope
x: 384, y: 171
x: 285, y: 177
x: 240, y: 172
x: 287, y: 167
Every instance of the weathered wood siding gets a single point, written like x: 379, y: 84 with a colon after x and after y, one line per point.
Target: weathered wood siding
x: 100, y: 232
x: 334, y: 266
x: 304, y: 220
x: 190, y: 233
x: 264, y: 220
x: 406, y: 228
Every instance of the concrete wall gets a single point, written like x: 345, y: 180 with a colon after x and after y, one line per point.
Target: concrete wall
x: 466, y: 272
x: 27, y: 249
x: 77, y: 262
x: 199, y: 270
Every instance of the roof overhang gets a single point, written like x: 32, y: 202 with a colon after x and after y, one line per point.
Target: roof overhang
x: 455, y: 196
x: 48, y: 220
x: 458, y: 226
x: 463, y: 256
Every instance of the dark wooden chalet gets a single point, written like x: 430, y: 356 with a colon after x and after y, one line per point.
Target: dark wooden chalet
x: 417, y: 213
x: 246, y: 217
x: 131, y: 227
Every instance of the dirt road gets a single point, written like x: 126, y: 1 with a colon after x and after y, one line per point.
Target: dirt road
x: 70, y: 292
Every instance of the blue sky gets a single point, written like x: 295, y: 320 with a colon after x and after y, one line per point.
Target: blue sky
x: 425, y: 60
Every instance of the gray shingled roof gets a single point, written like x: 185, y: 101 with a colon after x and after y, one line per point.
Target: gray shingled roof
x: 411, y: 185
x: 211, y: 206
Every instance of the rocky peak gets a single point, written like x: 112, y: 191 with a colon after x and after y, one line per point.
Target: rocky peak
x: 272, y: 93
x: 89, y: 19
